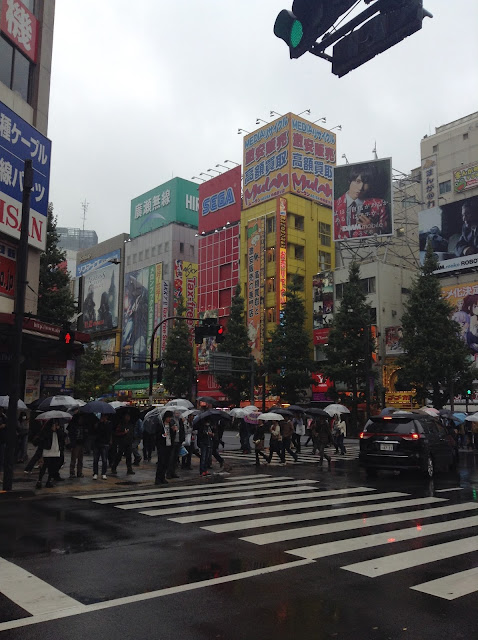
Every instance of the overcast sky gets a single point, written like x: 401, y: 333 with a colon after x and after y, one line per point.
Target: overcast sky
x: 144, y: 91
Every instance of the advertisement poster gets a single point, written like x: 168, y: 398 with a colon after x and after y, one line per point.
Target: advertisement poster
x: 32, y: 385
x: 108, y: 348
x: 323, y: 299
x: 255, y: 285
x: 100, y: 299
x: 393, y: 341
x: 363, y: 200
x: 281, y: 226
x: 465, y: 178
x: 8, y: 269
x: 452, y: 231
x: 134, y: 343
x: 207, y: 346
x: 464, y: 300
x: 289, y: 155
x: 158, y: 307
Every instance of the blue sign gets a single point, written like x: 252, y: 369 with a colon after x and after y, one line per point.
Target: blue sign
x: 97, y: 263
x: 218, y: 201
x: 19, y: 141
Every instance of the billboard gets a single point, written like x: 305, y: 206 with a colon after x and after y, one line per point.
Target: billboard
x: 255, y: 284
x: 363, y: 200
x: 393, y: 341
x: 108, y: 348
x: 452, y: 230
x: 465, y: 178
x: 220, y: 201
x: 281, y: 226
x: 20, y: 26
x: 19, y: 141
x: 100, y: 286
x: 323, y: 300
x: 134, y: 342
x: 289, y: 155
x: 430, y: 181
x: 464, y: 300
x: 174, y: 201
x: 186, y: 285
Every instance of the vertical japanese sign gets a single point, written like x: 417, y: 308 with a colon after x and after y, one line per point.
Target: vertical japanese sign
x: 8, y: 269
x: 430, y: 182
x: 157, y: 306
x: 281, y: 226
x: 178, y: 284
x: 20, y: 26
x: 164, y: 314
x: 151, y: 308
x: 190, y: 287
x: 255, y: 285
x: 19, y: 141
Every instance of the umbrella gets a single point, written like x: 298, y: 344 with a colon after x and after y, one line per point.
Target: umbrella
x: 284, y: 412
x: 295, y: 408
x: 51, y: 415
x: 251, y: 417
x: 189, y: 412
x: 134, y: 412
x: 459, y: 416
x: 315, y: 411
x: 387, y: 411
x: 336, y: 408
x: 116, y: 404
x: 206, y: 399
x: 237, y: 412
x: 58, y: 401
x: 472, y: 418
x: 4, y: 400
x: 270, y: 416
x: 97, y: 406
x: 180, y: 402
x: 431, y: 411
x: 249, y: 408
x: 210, y: 413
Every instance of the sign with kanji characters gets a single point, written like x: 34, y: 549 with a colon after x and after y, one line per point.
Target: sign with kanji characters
x: 465, y: 178
x: 255, y: 285
x: 430, y: 182
x: 289, y: 155
x: 173, y: 201
x: 20, y: 26
x: 8, y: 269
x: 281, y: 226
x: 19, y: 141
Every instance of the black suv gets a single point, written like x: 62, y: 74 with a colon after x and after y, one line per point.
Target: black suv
x: 406, y: 441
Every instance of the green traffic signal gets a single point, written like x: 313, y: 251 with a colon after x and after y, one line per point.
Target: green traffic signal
x: 288, y: 28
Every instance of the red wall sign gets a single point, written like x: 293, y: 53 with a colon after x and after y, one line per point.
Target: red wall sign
x: 220, y: 201
x: 20, y: 26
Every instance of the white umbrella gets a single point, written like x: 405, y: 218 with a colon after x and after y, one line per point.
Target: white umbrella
x: 237, y: 412
x: 4, y: 400
x: 180, y: 402
x: 116, y: 404
x: 472, y: 418
x: 332, y: 409
x: 270, y: 416
x: 430, y: 410
x: 58, y: 401
x: 51, y: 415
x: 250, y: 408
x: 189, y: 412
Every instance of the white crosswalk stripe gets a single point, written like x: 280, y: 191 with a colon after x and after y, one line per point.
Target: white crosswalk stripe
x: 277, y: 504
x: 306, y: 456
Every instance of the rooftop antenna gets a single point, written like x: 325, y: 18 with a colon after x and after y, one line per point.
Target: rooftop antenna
x: 84, y: 206
x: 374, y: 151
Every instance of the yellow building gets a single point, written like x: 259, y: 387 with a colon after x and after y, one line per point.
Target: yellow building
x: 280, y: 238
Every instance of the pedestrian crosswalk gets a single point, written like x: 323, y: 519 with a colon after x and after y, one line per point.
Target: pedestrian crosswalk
x: 306, y: 456
x: 393, y: 530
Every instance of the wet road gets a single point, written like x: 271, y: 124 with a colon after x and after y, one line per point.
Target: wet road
x: 281, y: 552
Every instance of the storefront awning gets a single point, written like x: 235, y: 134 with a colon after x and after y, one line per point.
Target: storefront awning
x: 131, y: 385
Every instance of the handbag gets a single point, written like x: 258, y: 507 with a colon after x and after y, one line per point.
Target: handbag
x: 183, y: 451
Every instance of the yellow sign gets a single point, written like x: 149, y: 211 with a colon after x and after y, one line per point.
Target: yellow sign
x: 289, y: 155
x: 255, y: 284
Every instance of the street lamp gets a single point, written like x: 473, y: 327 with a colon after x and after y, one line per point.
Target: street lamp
x: 232, y: 162
x: 223, y: 166
x: 239, y: 131
x: 324, y: 119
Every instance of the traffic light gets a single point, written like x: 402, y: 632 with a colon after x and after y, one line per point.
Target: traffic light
x: 469, y: 392
x: 219, y: 333
x: 395, y: 23
x: 308, y: 20
x: 198, y: 334
x: 67, y: 341
x: 159, y: 373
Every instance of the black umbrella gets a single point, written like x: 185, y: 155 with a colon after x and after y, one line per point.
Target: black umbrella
x: 387, y: 411
x: 296, y: 409
x: 97, y: 406
x: 134, y: 412
x: 206, y: 399
x: 315, y: 411
x: 211, y: 413
x: 283, y: 412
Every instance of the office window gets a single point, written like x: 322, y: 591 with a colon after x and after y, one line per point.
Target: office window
x: 191, y: 249
x: 153, y: 251
x: 128, y: 260
x: 435, y: 148
x: 271, y: 224
x: 140, y: 256
x: 160, y: 248
x: 465, y: 136
x: 299, y: 222
x: 135, y: 258
x: 270, y: 285
x: 146, y: 254
x: 368, y: 286
x: 166, y: 246
x: 271, y: 314
x: 165, y: 269
x: 299, y: 252
x: 270, y: 253
x: 325, y: 260
x: 15, y: 70
x: 325, y: 234
x: 445, y: 187
x: 181, y: 247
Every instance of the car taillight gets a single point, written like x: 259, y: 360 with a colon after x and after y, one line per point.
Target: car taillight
x: 364, y: 435
x: 412, y: 436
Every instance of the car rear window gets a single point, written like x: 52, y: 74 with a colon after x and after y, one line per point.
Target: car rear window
x: 393, y: 425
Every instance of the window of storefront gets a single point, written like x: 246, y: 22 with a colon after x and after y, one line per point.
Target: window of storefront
x: 325, y: 234
x: 15, y: 70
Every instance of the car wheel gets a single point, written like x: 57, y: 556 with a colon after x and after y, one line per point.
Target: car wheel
x: 371, y: 473
x: 429, y: 468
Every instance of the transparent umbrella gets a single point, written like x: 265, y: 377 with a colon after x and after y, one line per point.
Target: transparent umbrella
x: 4, y: 400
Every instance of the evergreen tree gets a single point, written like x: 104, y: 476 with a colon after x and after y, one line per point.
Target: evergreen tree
x: 55, y: 299
x: 287, y: 353
x: 92, y: 378
x: 236, y: 385
x: 178, y: 372
x: 349, y: 347
x: 436, y: 359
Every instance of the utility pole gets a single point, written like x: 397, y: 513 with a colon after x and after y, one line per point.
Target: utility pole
x: 22, y: 265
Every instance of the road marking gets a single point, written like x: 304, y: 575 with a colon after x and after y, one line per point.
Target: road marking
x: 305, y: 504
x: 179, y: 489
x: 452, y: 587
x: 160, y: 593
x: 388, y: 537
x: 450, y: 489
x: 307, y: 516
x: 415, y: 558
x: 262, y: 486
x: 32, y: 594
x: 351, y: 525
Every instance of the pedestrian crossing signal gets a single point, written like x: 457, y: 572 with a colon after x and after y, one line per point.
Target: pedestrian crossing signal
x: 219, y: 333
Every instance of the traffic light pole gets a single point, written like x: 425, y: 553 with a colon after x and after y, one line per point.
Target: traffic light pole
x: 21, y: 283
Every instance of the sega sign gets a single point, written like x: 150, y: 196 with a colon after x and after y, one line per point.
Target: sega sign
x: 220, y: 201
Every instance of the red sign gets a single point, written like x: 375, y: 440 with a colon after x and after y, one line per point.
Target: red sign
x: 321, y: 383
x: 321, y: 336
x: 220, y: 201
x: 8, y: 270
x: 21, y: 26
